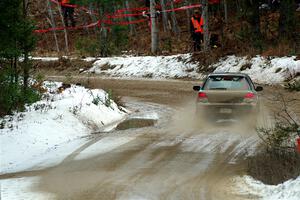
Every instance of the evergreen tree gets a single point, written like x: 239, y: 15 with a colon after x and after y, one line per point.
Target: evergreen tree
x: 107, y: 39
x: 287, y: 21
x: 17, y: 41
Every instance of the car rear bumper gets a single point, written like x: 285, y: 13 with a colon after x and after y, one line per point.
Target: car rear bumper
x: 225, y: 110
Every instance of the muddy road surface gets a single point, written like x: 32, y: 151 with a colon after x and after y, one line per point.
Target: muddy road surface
x: 172, y: 155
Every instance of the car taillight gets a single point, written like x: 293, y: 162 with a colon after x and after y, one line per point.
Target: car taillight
x: 202, y: 95
x: 249, y: 95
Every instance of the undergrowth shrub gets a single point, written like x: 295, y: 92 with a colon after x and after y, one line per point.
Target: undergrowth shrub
x: 12, y: 95
x: 274, y: 166
x: 96, y: 100
x: 87, y: 46
x: 117, y: 41
x: 113, y: 96
x: 293, y: 86
x: 112, y: 44
x: 278, y: 159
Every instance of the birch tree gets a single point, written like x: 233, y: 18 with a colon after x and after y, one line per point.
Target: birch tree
x: 65, y: 29
x: 52, y: 22
x: 205, y: 28
x: 188, y: 14
x: 131, y: 26
x: 154, y: 28
x: 164, y: 15
x: 174, y: 20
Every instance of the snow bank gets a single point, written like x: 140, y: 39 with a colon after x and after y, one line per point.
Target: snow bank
x: 46, y: 59
x: 58, y: 118
x: 261, y: 70
x: 289, y: 190
x: 176, y: 66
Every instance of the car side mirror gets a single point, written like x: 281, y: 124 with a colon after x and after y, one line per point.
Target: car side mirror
x: 197, y: 88
x: 259, y: 88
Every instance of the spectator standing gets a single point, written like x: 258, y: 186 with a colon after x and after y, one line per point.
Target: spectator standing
x: 197, y: 23
x: 68, y: 12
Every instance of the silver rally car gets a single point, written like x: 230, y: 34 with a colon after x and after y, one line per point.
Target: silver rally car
x: 227, y: 95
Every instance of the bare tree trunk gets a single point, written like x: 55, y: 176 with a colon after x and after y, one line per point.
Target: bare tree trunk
x: 205, y: 28
x: 174, y: 21
x: 164, y: 15
x: 225, y: 11
x: 65, y: 30
x: 52, y: 24
x: 86, y: 23
x: 16, y: 73
x: 94, y: 18
x: 12, y: 73
x: 188, y: 14
x: 131, y: 26
x: 238, y: 6
x: 103, y: 34
x: 154, y: 28
x: 26, y: 56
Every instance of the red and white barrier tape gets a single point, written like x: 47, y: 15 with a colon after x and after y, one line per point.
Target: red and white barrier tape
x: 96, y: 24
x: 141, y: 14
x: 144, y: 8
x: 68, y: 28
x: 109, y: 22
x: 298, y: 144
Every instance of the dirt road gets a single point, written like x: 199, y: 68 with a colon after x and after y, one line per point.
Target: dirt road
x: 178, y: 158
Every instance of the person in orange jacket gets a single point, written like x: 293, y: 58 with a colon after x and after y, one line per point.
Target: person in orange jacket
x: 68, y: 12
x: 197, y: 29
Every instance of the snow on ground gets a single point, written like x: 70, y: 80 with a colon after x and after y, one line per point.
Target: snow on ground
x: 261, y: 70
x: 46, y: 59
x: 20, y: 188
x: 59, y: 118
x: 289, y: 190
x: 176, y: 66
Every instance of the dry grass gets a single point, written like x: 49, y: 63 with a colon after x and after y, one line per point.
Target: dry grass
x: 63, y: 64
x: 282, y: 49
x: 278, y: 160
x: 274, y: 166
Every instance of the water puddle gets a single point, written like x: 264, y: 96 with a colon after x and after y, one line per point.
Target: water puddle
x: 136, y: 123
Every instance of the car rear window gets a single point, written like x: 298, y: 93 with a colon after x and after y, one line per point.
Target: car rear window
x: 226, y: 83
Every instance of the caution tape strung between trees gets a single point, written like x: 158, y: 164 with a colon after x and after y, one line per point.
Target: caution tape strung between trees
x: 118, y: 11
x: 68, y: 28
x: 141, y: 14
x: 92, y: 25
x: 116, y: 16
x: 74, y: 6
x: 144, y: 8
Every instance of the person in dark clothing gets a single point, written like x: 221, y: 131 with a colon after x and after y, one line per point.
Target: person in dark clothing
x: 274, y: 4
x: 147, y: 3
x: 68, y: 12
x: 197, y: 30
x: 214, y: 41
x: 298, y: 5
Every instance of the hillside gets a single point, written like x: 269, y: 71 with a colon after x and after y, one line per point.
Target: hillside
x: 235, y: 36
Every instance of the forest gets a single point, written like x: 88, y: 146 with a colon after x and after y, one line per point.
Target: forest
x: 115, y: 27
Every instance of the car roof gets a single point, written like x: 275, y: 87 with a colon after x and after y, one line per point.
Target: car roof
x: 228, y: 74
